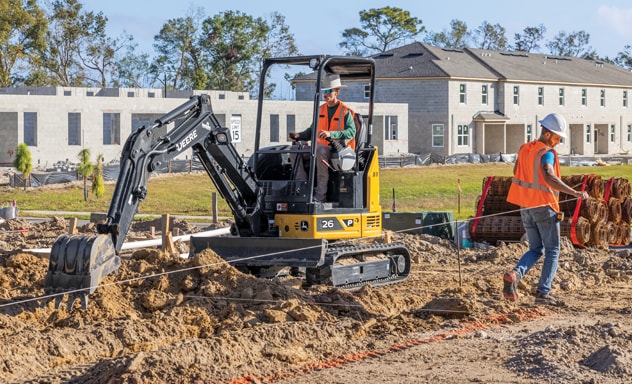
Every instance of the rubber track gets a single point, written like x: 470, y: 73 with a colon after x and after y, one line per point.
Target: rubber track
x: 373, y: 249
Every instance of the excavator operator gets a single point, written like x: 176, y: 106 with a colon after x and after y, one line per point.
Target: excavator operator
x: 335, y: 122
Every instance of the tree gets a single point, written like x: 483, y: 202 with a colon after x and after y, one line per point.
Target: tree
x: 99, y: 56
x: 178, y: 57
x: 231, y: 43
x: 571, y: 44
x: 624, y: 58
x: 529, y: 39
x: 85, y: 170
x: 380, y: 29
x: 132, y: 69
x: 69, y: 29
x: 489, y: 36
x: 23, y: 162
x: 457, y: 37
x: 22, y: 32
x: 278, y: 42
x: 98, y: 186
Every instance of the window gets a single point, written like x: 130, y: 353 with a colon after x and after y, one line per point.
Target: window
x: 484, y: 94
x: 390, y: 128
x: 74, y: 128
x: 587, y: 133
x: 561, y: 96
x: 463, y: 136
x: 290, y: 125
x: 529, y: 132
x: 30, y: 129
x: 111, y: 128
x: 67, y: 93
x: 462, y: 99
x: 274, y: 128
x: 540, y: 95
x: 612, y: 133
x: 367, y: 91
x: 602, y: 98
x: 625, y: 99
x: 437, y: 135
x: 629, y: 133
x: 516, y: 95
x: 584, y: 96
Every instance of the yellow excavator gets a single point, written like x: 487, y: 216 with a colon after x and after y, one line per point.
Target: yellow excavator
x: 276, y: 222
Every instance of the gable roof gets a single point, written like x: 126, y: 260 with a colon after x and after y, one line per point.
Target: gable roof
x: 422, y: 61
x: 418, y: 60
x: 524, y: 66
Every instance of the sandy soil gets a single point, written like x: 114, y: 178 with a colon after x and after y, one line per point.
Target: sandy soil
x: 163, y: 319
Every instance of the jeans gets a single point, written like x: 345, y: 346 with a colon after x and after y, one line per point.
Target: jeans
x: 543, y: 233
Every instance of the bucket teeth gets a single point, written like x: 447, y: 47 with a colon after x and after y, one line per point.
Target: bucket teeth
x: 77, y: 266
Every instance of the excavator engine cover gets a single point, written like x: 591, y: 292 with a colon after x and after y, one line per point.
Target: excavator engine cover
x: 77, y: 265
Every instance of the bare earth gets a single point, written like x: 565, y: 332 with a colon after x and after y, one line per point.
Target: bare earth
x: 163, y: 319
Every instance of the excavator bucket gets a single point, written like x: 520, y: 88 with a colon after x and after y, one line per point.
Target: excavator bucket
x: 77, y: 265
x: 263, y: 251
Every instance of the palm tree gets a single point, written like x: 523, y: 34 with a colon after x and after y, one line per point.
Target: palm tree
x: 23, y: 162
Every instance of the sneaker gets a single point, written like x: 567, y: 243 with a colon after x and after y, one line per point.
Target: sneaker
x: 547, y: 299
x: 510, y: 288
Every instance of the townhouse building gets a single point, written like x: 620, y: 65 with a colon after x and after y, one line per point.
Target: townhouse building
x: 484, y: 101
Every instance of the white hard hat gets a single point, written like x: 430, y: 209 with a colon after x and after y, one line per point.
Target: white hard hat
x: 555, y: 123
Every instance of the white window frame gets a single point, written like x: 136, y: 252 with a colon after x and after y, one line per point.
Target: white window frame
x: 516, y: 95
x: 540, y: 96
x: 462, y: 93
x: 588, y: 133
x: 484, y: 94
x: 463, y: 135
x: 438, y: 136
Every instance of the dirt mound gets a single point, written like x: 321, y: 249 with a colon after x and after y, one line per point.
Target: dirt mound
x: 166, y: 319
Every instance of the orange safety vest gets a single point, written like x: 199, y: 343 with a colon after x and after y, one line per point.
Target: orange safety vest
x: 528, y: 188
x: 337, y: 122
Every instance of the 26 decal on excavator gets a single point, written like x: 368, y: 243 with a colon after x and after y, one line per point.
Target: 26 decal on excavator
x: 276, y: 222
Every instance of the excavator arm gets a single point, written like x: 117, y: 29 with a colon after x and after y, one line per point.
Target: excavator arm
x: 79, y: 263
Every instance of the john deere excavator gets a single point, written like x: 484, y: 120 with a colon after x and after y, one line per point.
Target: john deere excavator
x: 276, y: 224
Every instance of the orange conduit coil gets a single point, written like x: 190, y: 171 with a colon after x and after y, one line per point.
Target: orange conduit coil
x: 626, y: 209
x: 582, y: 229
x: 601, y: 220
x: 598, y: 235
x: 594, y: 185
x: 614, y: 210
x: 499, y: 186
x: 623, y: 233
x: 619, y: 187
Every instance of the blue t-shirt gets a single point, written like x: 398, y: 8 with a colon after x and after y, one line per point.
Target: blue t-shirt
x: 548, y: 157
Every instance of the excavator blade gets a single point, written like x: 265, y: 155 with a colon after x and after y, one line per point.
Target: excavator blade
x: 263, y: 251
x: 77, y: 264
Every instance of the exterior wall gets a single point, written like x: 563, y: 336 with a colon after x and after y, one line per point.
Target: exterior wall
x: 601, y: 119
x: 53, y: 106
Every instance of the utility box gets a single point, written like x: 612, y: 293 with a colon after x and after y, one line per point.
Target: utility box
x: 440, y: 224
x: 403, y: 222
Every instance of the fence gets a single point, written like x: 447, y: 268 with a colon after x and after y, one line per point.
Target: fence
x: 111, y: 172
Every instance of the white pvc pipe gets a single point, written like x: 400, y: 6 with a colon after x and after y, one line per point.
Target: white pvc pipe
x: 149, y: 243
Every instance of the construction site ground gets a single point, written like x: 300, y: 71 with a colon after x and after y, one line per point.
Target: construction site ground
x: 166, y: 319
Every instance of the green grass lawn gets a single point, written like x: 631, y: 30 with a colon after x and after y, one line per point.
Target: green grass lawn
x: 431, y: 188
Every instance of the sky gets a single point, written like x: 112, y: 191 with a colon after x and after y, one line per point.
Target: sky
x: 317, y: 26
